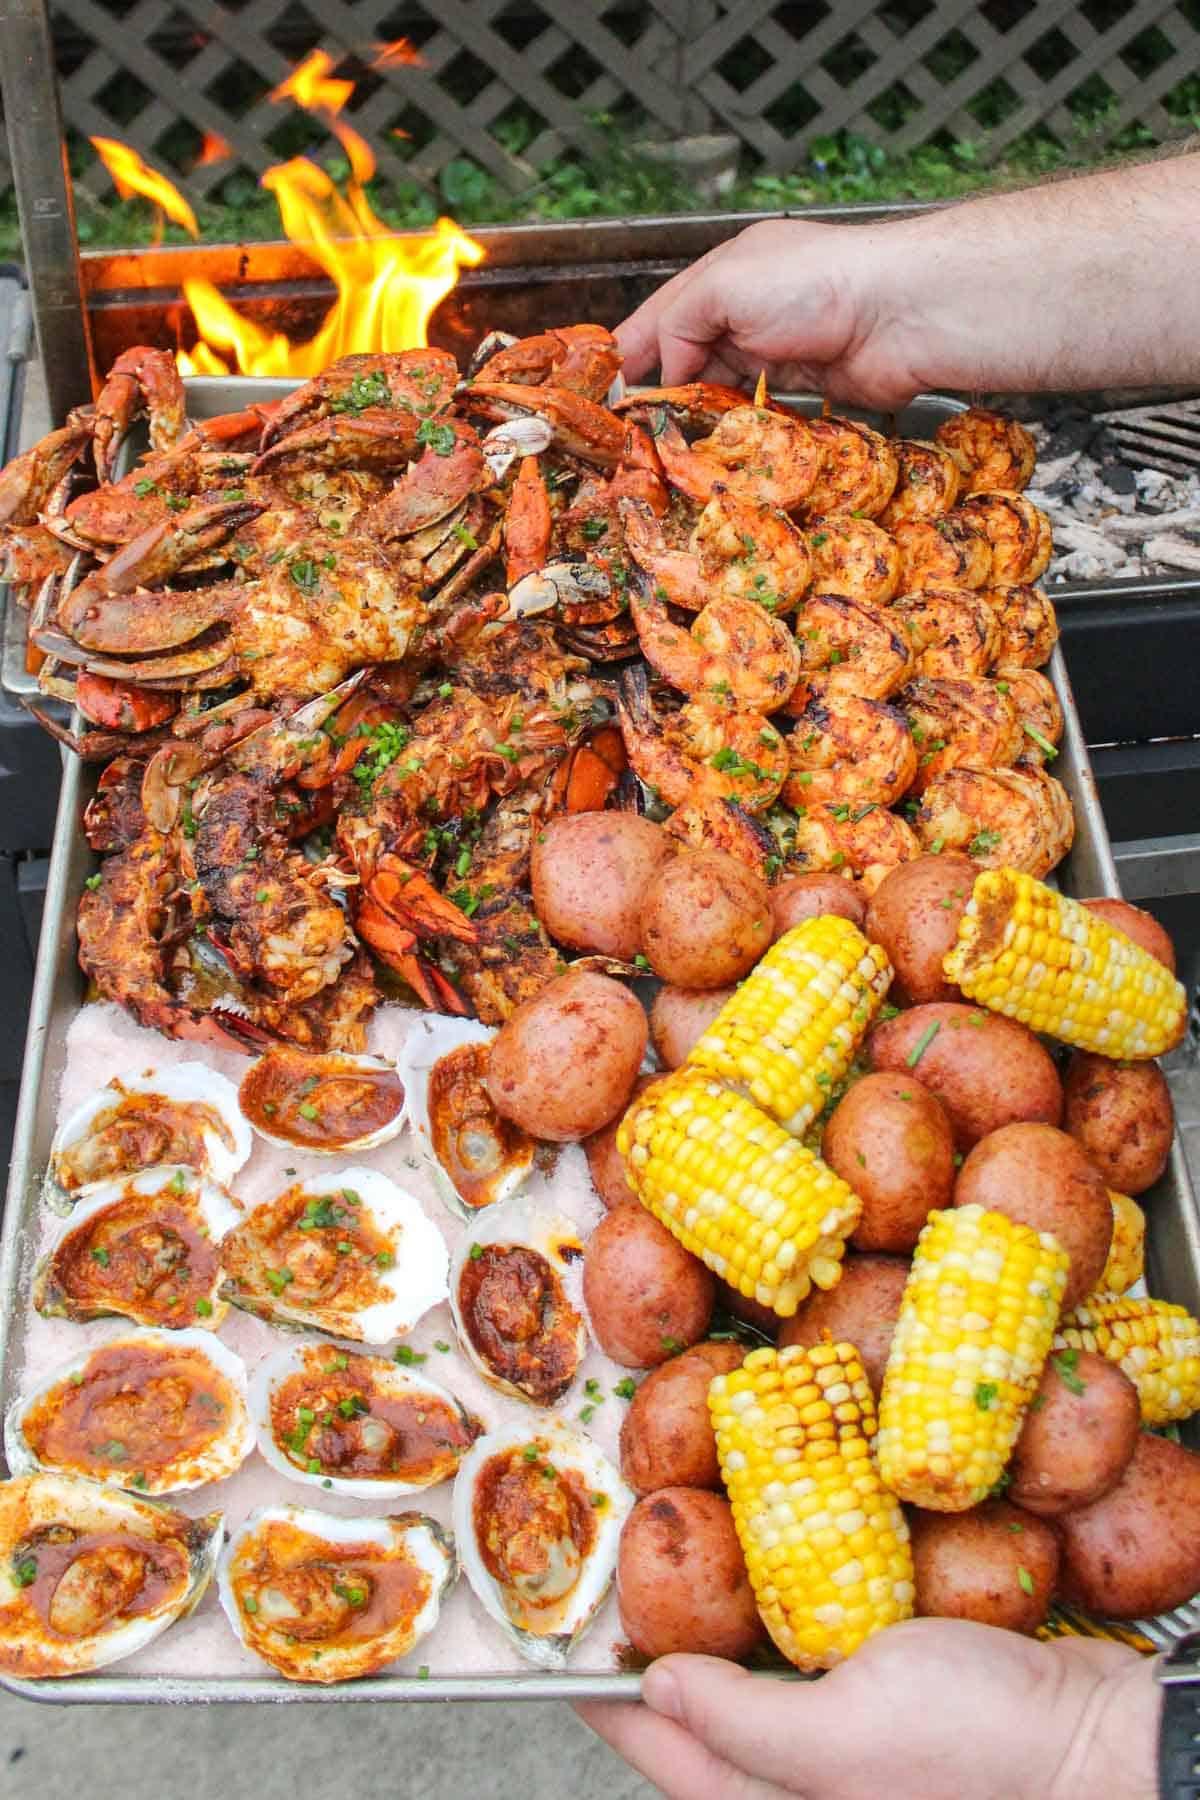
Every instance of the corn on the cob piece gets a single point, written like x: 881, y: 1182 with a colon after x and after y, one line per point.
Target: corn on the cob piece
x: 1040, y: 957
x: 791, y: 1030
x: 1155, y: 1343
x: 826, y: 1545
x: 976, y: 1320
x: 1126, y: 1257
x: 759, y: 1209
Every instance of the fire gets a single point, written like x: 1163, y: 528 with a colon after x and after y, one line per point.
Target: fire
x: 131, y: 176
x: 214, y: 149
x: 397, y: 54
x: 312, y: 86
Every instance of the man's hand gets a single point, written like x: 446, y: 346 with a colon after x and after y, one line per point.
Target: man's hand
x: 933, y: 1710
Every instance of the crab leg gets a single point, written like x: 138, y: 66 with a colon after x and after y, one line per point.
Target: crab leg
x: 140, y: 379
x: 451, y: 468
x: 27, y: 483
x: 580, y: 426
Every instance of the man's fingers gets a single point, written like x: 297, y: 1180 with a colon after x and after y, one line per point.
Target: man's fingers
x: 667, y: 1755
x: 676, y: 311
x: 744, y: 1720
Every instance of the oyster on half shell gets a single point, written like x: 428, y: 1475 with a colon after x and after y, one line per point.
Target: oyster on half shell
x: 537, y: 1518
x: 88, y: 1575
x: 185, y: 1115
x: 476, y: 1157
x: 509, y: 1293
x: 153, y: 1412
x: 146, y: 1248
x: 356, y: 1425
x: 349, y: 1254
x: 326, y: 1599
x: 328, y: 1105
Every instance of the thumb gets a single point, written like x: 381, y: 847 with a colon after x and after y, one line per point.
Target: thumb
x: 750, y: 1721
x: 673, y: 328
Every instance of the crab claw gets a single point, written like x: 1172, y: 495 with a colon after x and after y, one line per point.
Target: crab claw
x: 376, y: 438
x: 395, y: 946
x: 412, y: 901
x: 580, y: 426
x: 141, y: 380
x: 27, y: 482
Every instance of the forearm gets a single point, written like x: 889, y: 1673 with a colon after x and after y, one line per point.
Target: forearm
x: 1082, y: 283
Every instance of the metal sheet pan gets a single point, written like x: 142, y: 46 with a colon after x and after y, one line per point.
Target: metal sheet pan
x: 1174, y: 1251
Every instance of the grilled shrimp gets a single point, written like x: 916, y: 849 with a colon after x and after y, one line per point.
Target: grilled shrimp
x: 1019, y: 818
x: 1028, y: 627
x: 953, y: 630
x: 994, y: 452
x: 953, y: 551
x: 1039, y: 712
x: 731, y: 648
x: 716, y: 822
x: 858, y: 468
x: 859, y: 648
x: 1018, y: 531
x: 865, y: 841
x: 965, y: 720
x: 847, y: 750
x: 708, y: 749
x: 854, y: 557
x: 756, y: 453
x: 928, y: 484
x: 739, y: 549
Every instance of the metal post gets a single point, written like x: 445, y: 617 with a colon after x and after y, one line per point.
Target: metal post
x: 43, y: 185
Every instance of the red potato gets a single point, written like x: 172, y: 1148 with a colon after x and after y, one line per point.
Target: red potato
x: 706, y: 919
x: 1080, y: 1430
x: 996, y: 1565
x: 605, y: 1164
x: 1042, y: 1178
x: 679, y: 1016
x: 647, y: 1298
x: 1142, y: 927
x: 1123, y: 1115
x: 1136, y: 1551
x: 667, y: 1439
x: 985, y: 1070
x: 890, y: 1139
x: 861, y: 1310
x: 564, y: 1065
x: 813, y: 897
x: 588, y: 872
x: 914, y: 914
x: 681, y: 1578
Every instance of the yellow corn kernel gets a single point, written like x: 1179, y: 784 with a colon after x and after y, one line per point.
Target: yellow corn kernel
x: 789, y: 1033
x: 1035, y: 955
x: 976, y: 1321
x: 1155, y: 1343
x: 1126, y: 1256
x: 760, y: 1210
x: 826, y: 1545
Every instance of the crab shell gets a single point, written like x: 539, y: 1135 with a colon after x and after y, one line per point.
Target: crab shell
x: 544, y: 1628
x: 482, y: 1159
x: 344, y: 1373
x: 534, y: 1347
x: 412, y: 1282
x: 190, y: 1083
x: 170, y: 1190
x: 281, y: 1540
x: 221, y: 1435
x: 41, y: 1580
x: 291, y: 1075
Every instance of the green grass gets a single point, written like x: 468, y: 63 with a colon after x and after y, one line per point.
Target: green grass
x: 837, y: 171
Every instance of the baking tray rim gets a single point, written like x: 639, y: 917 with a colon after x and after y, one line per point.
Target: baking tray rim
x: 55, y: 961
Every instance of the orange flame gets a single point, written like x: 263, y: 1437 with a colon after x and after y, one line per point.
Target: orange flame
x: 311, y: 86
x: 131, y: 176
x: 213, y: 150
x: 399, y: 52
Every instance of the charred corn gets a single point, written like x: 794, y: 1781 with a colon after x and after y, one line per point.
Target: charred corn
x: 1155, y: 1343
x: 1126, y: 1256
x: 826, y: 1545
x: 759, y: 1209
x: 976, y: 1322
x: 790, y: 1032
x: 1038, y: 956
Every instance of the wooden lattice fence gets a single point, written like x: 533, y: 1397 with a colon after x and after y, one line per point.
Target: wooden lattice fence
x: 511, y: 83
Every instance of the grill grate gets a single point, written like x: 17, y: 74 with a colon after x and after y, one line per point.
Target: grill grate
x: 1158, y: 437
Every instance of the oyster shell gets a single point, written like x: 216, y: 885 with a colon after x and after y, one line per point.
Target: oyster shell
x: 187, y: 1115
x: 325, y: 1599
x: 537, y: 1517
x: 326, y: 1105
x: 512, y: 1309
x: 475, y: 1156
x: 153, y: 1412
x: 144, y: 1248
x: 88, y: 1575
x: 349, y: 1254
x: 356, y: 1425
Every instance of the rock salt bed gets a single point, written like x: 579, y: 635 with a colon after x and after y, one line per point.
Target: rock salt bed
x: 102, y: 1041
